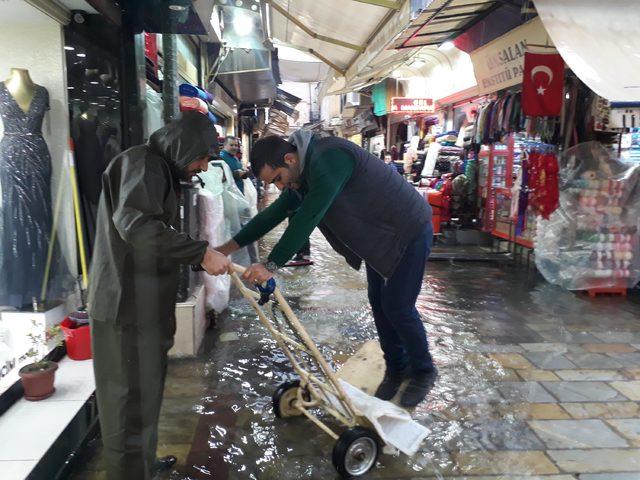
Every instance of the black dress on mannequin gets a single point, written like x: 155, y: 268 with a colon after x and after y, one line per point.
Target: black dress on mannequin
x: 25, y: 214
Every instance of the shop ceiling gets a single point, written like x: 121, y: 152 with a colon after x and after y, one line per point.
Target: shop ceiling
x: 365, y: 40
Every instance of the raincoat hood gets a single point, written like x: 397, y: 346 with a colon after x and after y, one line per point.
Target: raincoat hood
x: 301, y: 139
x: 183, y: 141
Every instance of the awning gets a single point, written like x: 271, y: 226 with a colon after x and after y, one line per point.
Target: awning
x: 599, y: 41
x: 444, y: 20
x: 306, y: 72
x: 336, y: 31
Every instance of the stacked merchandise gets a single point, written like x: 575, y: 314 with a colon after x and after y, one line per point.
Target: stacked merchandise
x: 591, y: 241
x: 442, y: 155
x: 195, y: 98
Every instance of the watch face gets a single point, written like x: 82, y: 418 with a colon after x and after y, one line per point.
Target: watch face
x: 271, y: 266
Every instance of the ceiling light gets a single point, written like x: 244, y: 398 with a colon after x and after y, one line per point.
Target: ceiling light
x: 418, y: 62
x: 396, y: 74
x: 68, y: 47
x: 70, y: 88
x: 177, y: 8
x: 254, y: 7
x: 81, y: 55
x: 238, y: 3
x: 446, y: 46
x: 242, y: 24
x: 93, y: 83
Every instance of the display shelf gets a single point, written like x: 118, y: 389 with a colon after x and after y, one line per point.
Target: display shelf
x: 34, y: 427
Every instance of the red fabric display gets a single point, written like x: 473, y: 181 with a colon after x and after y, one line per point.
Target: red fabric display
x: 544, y: 196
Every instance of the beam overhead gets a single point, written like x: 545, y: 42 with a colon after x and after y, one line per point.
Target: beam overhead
x: 392, y: 4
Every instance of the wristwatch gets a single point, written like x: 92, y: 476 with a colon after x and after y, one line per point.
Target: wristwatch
x: 271, y: 266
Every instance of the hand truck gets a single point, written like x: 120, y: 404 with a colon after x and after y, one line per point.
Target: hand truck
x: 357, y: 448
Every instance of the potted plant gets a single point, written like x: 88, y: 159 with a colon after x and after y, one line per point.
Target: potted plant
x: 38, y: 377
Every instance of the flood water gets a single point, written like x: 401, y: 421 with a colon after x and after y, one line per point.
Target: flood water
x: 525, y: 370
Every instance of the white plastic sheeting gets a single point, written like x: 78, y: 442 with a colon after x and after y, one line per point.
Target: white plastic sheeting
x: 599, y: 41
x: 237, y: 209
x: 393, y: 424
x: 212, y: 229
x: 591, y: 240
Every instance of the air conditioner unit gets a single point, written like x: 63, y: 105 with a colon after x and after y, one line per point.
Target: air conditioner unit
x: 353, y: 99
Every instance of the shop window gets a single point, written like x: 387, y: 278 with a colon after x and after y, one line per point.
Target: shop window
x: 96, y: 120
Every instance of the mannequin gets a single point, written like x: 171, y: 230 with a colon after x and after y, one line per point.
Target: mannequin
x: 21, y: 88
x: 25, y: 177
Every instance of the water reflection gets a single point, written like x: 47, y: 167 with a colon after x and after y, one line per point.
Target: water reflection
x: 479, y: 317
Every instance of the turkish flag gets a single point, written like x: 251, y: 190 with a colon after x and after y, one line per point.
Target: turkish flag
x: 542, y: 84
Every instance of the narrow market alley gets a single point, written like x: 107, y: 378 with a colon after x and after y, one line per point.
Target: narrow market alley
x: 534, y: 380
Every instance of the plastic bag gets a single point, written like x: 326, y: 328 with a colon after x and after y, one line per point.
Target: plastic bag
x: 393, y: 424
x: 591, y: 240
x: 212, y: 229
x: 237, y: 211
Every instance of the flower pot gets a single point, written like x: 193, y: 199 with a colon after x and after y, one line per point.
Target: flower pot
x: 38, y: 382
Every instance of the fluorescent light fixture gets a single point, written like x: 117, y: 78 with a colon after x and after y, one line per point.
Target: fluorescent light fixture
x: 69, y: 47
x: 81, y: 55
x: 446, y: 46
x: 177, y: 8
x: 242, y: 24
x: 93, y: 83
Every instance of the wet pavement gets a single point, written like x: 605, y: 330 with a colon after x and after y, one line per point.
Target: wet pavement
x: 535, y: 382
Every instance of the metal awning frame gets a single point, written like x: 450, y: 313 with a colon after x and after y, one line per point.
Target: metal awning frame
x: 436, y: 18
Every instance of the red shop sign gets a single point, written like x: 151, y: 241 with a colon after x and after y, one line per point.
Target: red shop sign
x: 412, y: 105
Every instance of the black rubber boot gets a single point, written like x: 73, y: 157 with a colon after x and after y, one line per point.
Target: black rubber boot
x: 390, y: 384
x: 418, y: 388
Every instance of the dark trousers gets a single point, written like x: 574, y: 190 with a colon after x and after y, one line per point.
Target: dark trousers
x: 402, y: 335
x: 130, y: 364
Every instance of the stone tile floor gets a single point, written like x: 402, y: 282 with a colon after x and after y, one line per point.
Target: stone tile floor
x: 536, y: 382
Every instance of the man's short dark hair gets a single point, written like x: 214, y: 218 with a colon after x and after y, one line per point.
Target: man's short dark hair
x: 269, y: 151
x: 228, y: 139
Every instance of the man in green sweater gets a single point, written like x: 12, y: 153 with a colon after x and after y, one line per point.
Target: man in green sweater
x: 369, y: 214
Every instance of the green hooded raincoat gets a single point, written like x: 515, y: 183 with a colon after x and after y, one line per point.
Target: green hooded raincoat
x: 133, y: 287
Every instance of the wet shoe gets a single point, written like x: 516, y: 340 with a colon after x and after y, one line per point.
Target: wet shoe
x: 164, y: 463
x: 390, y: 384
x: 418, y: 388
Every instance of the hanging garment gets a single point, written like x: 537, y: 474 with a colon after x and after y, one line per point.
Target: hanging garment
x: 26, y: 217
x: 543, y: 182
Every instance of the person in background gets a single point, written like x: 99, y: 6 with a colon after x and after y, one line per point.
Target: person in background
x: 134, y: 285
x: 229, y: 154
x: 369, y: 214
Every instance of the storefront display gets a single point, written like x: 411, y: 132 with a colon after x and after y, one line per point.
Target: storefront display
x: 591, y: 242
x: 25, y: 178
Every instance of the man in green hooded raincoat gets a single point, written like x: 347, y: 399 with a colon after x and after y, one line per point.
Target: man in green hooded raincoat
x: 134, y: 283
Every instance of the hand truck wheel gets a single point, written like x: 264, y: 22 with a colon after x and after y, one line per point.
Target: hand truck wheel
x: 355, y: 452
x: 283, y: 399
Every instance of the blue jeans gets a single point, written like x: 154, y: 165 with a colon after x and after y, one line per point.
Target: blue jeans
x: 402, y: 335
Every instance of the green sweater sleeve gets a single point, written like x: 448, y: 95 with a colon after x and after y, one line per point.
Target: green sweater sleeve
x: 326, y: 179
x: 268, y: 219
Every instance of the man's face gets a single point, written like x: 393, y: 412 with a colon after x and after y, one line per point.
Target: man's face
x: 232, y: 146
x: 287, y: 176
x: 200, y: 165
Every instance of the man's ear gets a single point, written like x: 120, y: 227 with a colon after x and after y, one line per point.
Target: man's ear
x: 291, y: 158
